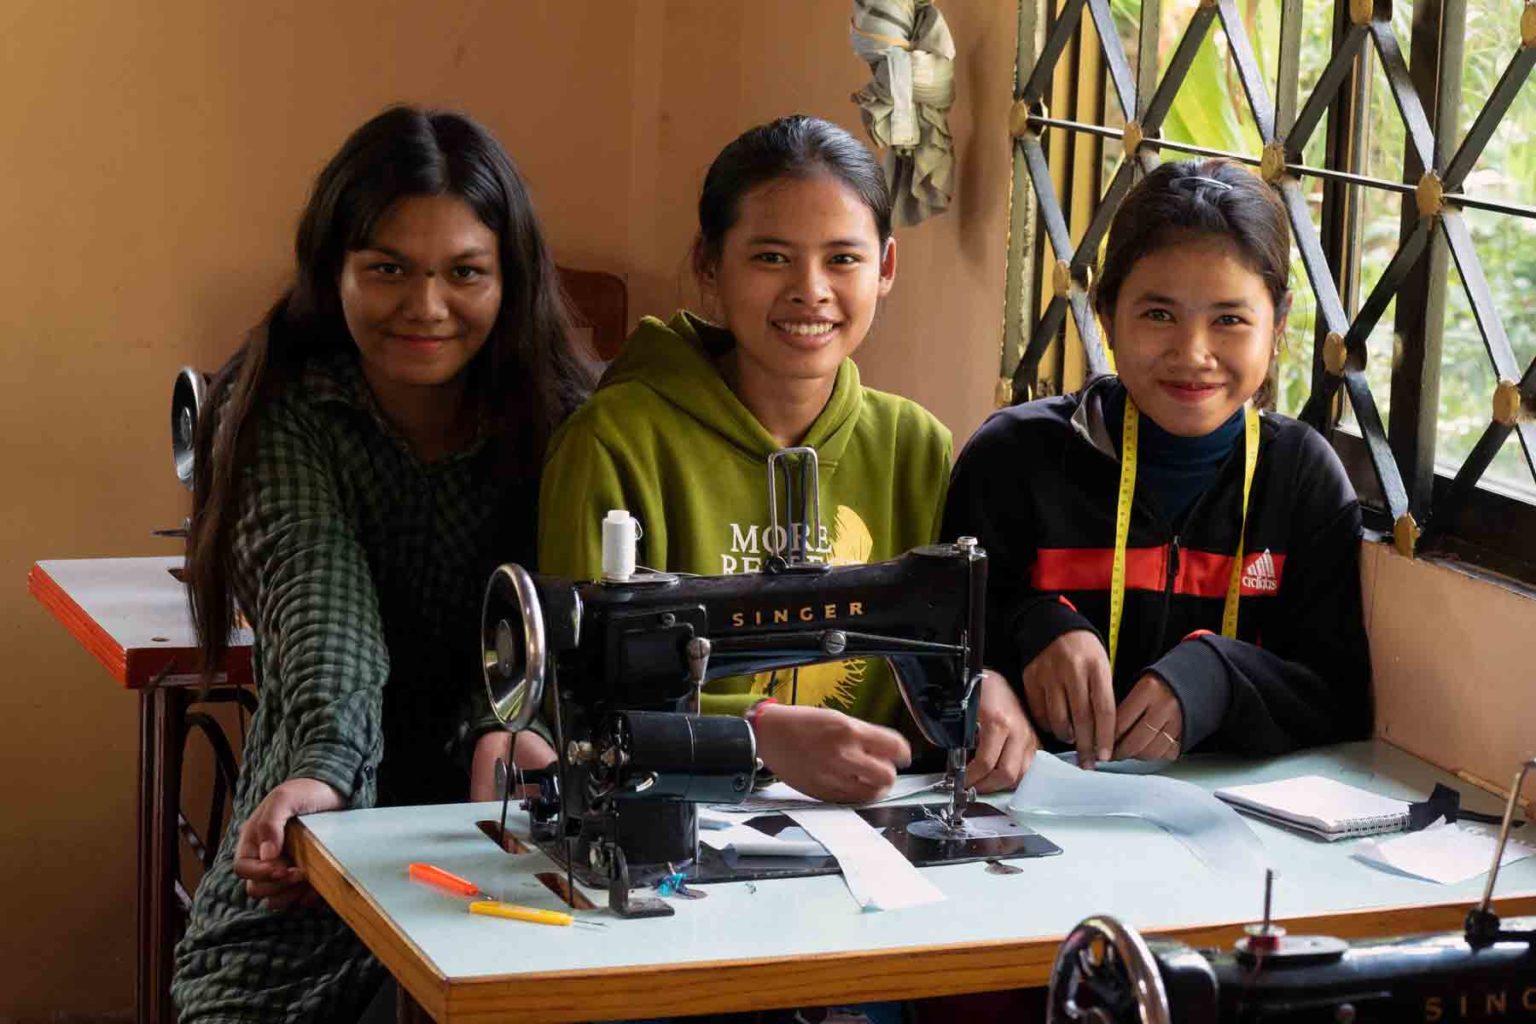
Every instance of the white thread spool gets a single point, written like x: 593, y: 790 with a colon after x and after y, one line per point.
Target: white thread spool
x: 621, y: 532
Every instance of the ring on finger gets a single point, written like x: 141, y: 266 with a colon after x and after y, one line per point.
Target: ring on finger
x: 1164, y: 734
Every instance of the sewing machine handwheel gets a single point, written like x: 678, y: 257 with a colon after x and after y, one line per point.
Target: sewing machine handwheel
x: 1105, y: 974
x: 513, y: 646
x: 187, y: 397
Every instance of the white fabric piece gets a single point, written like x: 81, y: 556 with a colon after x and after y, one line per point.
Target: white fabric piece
x: 1211, y: 830
x: 905, y: 106
x: 783, y: 797
x: 714, y: 817
x: 878, y: 875
x: 1126, y: 766
x: 750, y: 842
x: 1442, y: 852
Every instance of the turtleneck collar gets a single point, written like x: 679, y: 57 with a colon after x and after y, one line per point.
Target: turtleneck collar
x: 1177, y: 470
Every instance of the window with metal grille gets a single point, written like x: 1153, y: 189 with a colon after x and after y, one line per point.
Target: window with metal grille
x: 1402, y: 139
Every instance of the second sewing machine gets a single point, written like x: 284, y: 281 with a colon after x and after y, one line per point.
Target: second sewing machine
x: 617, y: 665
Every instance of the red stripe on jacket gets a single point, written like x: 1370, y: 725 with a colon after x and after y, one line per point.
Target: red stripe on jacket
x: 1201, y: 573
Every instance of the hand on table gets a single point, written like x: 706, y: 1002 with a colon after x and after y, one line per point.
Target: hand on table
x: 1150, y: 721
x: 1068, y: 688
x: 259, y: 855
x: 1005, y: 741
x: 829, y: 755
x: 533, y: 753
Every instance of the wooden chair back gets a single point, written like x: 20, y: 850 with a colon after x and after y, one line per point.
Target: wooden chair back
x: 600, y: 303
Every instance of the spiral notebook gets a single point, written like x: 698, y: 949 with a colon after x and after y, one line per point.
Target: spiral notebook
x: 1319, y: 806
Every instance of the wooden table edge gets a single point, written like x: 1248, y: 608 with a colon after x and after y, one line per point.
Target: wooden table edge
x: 412, y: 968
x: 80, y: 625
x: 136, y: 668
x: 905, y: 972
x: 908, y: 972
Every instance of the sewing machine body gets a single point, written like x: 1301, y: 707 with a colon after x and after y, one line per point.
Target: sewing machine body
x: 626, y: 646
x: 622, y: 666
x: 1424, y: 978
x: 1108, y: 974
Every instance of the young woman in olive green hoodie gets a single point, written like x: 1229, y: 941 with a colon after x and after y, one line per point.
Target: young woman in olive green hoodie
x: 794, y: 252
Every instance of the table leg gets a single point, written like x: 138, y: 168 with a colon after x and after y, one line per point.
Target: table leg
x: 162, y: 725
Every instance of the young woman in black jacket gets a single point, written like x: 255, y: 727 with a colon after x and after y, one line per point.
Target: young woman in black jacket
x: 1171, y: 568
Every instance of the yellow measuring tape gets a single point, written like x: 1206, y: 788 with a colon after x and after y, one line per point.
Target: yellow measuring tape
x: 1128, y: 452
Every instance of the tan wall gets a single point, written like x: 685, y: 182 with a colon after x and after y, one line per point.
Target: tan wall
x: 155, y: 154
x: 937, y: 338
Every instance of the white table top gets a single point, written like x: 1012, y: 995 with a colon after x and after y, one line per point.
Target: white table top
x: 132, y: 613
x: 1123, y: 867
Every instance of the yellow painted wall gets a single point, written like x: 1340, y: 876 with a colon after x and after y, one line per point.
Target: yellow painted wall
x: 154, y: 155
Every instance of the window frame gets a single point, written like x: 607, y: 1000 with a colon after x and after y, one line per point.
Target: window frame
x: 1060, y: 210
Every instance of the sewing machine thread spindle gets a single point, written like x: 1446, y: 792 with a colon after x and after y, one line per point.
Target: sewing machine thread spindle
x: 621, y: 535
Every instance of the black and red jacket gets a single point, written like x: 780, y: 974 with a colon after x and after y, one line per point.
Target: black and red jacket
x: 1037, y: 485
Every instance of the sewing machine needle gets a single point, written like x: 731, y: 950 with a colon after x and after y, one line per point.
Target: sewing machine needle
x: 503, y: 783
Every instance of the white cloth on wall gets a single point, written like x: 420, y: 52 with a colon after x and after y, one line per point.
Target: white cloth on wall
x: 905, y: 106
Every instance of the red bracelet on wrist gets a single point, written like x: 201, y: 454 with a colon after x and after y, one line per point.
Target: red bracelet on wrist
x: 757, y: 709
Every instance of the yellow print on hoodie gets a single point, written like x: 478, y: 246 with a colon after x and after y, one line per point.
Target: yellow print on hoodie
x: 848, y: 542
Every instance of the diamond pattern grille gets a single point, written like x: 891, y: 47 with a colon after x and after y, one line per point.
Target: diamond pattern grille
x: 1146, y: 101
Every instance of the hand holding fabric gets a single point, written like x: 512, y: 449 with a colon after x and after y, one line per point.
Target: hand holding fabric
x: 1005, y: 741
x: 1149, y: 722
x: 1068, y: 688
x: 829, y: 755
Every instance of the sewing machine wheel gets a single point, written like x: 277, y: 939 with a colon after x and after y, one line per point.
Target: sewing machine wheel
x: 513, y: 646
x: 1105, y: 974
x: 186, y: 406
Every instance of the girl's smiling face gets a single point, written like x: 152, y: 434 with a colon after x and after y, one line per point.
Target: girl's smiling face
x: 1194, y: 330
x: 422, y: 295
x: 798, y: 277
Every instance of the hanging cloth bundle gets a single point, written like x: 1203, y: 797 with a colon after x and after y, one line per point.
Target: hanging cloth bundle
x: 906, y: 105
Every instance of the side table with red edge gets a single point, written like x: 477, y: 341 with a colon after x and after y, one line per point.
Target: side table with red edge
x: 131, y: 613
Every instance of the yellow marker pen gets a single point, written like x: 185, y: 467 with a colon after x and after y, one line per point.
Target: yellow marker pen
x: 495, y: 908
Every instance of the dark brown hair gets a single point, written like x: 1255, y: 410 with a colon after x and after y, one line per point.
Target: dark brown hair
x: 1181, y: 200
x: 524, y: 377
x: 797, y: 146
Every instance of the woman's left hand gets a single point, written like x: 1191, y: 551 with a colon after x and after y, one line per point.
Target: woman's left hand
x: 532, y: 753
x: 1149, y: 722
x: 261, y: 858
x: 1005, y: 741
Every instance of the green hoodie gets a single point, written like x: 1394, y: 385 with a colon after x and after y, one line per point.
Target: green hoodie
x: 667, y: 439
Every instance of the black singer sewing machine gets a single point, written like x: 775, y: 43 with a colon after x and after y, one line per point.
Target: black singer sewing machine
x: 1105, y: 973
x: 620, y: 662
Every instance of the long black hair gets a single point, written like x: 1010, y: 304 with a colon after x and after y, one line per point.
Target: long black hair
x: 797, y: 146
x: 524, y: 377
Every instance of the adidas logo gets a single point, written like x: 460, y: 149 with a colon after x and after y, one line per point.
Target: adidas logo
x: 1260, y: 574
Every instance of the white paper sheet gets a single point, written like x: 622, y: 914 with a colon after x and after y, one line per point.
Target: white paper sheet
x: 1211, y: 830
x: 783, y: 797
x: 750, y: 842
x: 878, y: 876
x: 1442, y: 852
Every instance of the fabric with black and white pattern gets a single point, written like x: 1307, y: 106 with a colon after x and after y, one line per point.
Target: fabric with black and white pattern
x: 361, y: 571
